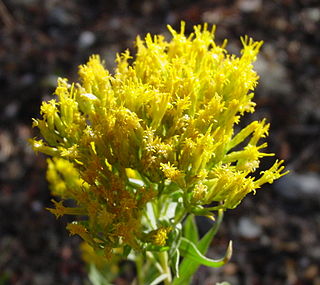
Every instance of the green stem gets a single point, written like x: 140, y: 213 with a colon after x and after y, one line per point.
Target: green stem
x: 178, y: 219
x: 163, y: 256
x: 139, y: 264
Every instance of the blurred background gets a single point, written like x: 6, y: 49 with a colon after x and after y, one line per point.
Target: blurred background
x: 276, y: 233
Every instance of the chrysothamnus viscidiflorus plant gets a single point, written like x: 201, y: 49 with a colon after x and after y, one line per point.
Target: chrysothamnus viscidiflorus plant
x: 144, y: 150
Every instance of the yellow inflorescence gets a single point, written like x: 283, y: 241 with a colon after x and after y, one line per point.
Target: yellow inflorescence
x: 159, y: 236
x: 166, y: 117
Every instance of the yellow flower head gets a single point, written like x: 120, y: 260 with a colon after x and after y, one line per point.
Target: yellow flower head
x: 161, y: 126
x: 159, y: 236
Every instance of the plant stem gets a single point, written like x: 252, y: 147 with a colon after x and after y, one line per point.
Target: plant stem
x: 166, y: 269
x: 178, y: 219
x: 139, y: 264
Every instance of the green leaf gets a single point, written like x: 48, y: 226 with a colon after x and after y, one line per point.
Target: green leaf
x: 200, y: 211
x: 175, y: 262
x: 188, y: 267
x: 205, y: 242
x: 157, y: 248
x: 126, y: 251
x: 168, y: 211
x: 159, y: 279
x: 189, y: 250
x: 190, y: 230
x: 152, y: 270
x: 95, y: 276
x: 151, y: 216
x: 137, y: 183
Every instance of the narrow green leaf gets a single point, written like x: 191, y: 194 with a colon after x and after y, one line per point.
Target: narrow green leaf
x: 136, y: 183
x: 168, y: 212
x: 159, y: 279
x: 152, y: 271
x: 150, y: 215
x: 190, y: 230
x: 188, y: 267
x: 175, y: 262
x: 189, y: 250
x: 204, y: 243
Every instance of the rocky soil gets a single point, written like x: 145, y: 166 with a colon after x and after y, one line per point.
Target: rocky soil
x: 276, y: 233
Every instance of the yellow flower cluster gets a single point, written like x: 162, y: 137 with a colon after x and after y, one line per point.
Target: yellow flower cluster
x: 158, y: 236
x: 166, y: 117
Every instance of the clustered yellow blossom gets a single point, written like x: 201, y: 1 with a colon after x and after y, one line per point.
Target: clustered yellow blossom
x: 158, y: 236
x: 165, y: 118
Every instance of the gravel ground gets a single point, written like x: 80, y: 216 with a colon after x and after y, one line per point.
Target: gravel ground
x: 275, y: 233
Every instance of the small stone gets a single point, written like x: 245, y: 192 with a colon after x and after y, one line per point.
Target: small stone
x: 11, y: 110
x: 86, y: 39
x: 36, y: 206
x: 312, y: 14
x: 311, y: 272
x: 249, y: 5
x: 274, y: 77
x: 299, y: 186
x: 60, y: 16
x: 248, y: 228
x: 6, y: 146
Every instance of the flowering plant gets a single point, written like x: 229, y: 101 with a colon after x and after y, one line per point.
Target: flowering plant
x: 142, y: 151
